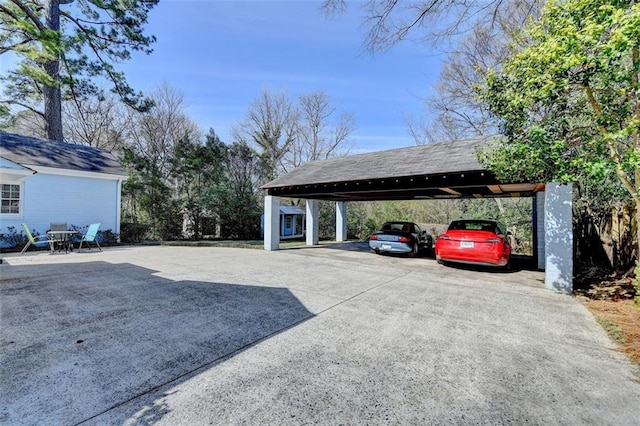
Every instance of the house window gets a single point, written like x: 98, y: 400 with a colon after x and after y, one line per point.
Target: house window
x: 10, y: 199
x: 288, y: 221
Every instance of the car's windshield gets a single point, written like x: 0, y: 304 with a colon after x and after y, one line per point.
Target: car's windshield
x: 473, y: 225
x: 396, y: 226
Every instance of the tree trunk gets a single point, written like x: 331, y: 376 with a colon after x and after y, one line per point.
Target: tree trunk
x: 637, y: 278
x: 52, y: 95
x: 637, y: 238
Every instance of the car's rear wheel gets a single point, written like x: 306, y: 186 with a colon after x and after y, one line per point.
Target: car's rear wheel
x: 507, y: 267
x: 415, y: 250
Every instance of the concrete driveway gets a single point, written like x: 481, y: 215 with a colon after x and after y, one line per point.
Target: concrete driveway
x: 178, y: 335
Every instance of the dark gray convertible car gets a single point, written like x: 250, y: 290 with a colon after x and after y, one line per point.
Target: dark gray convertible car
x: 400, y: 237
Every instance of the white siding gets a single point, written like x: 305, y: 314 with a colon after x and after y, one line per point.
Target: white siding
x: 78, y: 201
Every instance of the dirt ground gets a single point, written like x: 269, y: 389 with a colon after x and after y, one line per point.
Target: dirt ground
x: 610, y: 300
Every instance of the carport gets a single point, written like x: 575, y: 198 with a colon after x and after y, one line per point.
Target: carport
x: 433, y: 171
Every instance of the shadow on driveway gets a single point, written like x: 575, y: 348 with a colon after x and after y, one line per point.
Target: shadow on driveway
x: 81, y: 338
x: 518, y: 262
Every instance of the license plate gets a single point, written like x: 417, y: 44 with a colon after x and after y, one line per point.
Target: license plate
x: 386, y: 247
x: 466, y: 244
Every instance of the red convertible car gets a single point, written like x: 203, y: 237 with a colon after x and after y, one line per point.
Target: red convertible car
x: 481, y: 242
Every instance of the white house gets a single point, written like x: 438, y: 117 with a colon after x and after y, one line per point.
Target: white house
x: 46, y: 181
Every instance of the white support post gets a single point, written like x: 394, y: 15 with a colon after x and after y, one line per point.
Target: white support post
x: 538, y: 205
x: 313, y: 220
x: 271, y: 222
x: 341, y: 221
x: 558, y: 239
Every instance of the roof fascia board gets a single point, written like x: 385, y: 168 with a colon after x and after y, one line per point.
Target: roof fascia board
x: 76, y: 173
x: 14, y: 175
x: 7, y: 164
x: 10, y: 171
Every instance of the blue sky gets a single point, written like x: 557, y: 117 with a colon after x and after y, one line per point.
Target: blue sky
x: 221, y: 54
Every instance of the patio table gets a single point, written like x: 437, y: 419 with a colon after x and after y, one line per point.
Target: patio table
x: 64, y: 237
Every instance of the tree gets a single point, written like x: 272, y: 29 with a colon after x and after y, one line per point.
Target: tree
x: 155, y: 133
x: 197, y: 167
x: 150, y: 193
x: 99, y: 122
x: 148, y: 197
x: 24, y: 122
x: 569, y: 102
x: 454, y: 111
x: 474, y: 34
x: 320, y: 134
x: 438, y: 22
x: 62, y: 50
x: 270, y: 125
x: 235, y: 199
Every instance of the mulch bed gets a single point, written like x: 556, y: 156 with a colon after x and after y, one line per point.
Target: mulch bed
x: 609, y: 297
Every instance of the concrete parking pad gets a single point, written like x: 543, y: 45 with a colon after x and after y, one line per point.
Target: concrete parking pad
x: 329, y: 335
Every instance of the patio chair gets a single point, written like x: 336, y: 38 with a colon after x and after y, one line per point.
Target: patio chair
x: 91, y: 236
x: 58, y: 226
x: 38, y: 241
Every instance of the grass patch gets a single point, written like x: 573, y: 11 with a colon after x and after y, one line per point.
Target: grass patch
x: 612, y: 328
x: 249, y: 244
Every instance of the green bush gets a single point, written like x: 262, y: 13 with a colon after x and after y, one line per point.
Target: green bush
x: 107, y: 237
x: 12, y: 238
x: 133, y: 232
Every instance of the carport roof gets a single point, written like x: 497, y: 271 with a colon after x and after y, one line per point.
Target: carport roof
x: 442, y: 170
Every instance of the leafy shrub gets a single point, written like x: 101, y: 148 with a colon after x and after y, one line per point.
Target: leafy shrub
x: 12, y: 238
x: 133, y: 232
x: 107, y: 237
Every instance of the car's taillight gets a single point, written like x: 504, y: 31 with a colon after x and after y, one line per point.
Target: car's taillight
x: 373, y: 237
x: 404, y: 239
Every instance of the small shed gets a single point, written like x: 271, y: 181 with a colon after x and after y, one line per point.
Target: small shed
x: 292, y: 222
x: 45, y: 181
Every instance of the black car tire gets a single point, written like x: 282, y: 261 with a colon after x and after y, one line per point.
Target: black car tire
x: 507, y: 267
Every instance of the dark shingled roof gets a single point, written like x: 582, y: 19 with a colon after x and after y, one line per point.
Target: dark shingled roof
x: 440, y: 158
x: 29, y: 151
x: 443, y: 170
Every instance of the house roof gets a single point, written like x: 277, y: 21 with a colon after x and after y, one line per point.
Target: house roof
x: 291, y: 210
x: 442, y: 170
x: 33, y: 152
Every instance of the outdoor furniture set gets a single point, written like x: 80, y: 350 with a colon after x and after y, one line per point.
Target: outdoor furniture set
x: 60, y: 238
